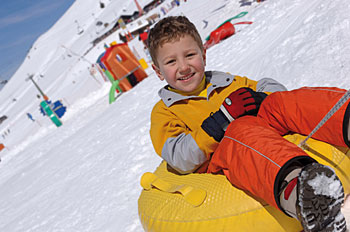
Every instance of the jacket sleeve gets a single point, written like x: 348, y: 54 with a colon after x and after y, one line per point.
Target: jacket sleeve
x: 176, y: 143
x: 269, y: 85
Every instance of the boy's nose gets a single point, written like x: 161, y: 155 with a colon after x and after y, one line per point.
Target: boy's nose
x: 183, y: 66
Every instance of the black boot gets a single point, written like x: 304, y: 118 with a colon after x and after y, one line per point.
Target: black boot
x: 320, y: 195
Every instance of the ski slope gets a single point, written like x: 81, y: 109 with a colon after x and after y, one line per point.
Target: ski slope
x: 84, y: 176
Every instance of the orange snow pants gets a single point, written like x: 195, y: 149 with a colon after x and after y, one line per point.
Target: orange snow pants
x: 253, y: 154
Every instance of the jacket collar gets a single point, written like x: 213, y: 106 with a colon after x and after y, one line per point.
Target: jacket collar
x: 216, y: 78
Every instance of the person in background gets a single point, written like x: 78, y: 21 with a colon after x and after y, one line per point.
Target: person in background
x: 30, y: 117
x: 143, y: 37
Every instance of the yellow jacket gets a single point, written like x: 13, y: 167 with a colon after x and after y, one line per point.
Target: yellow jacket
x: 176, y: 119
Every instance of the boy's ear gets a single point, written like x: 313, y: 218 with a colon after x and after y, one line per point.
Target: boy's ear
x: 158, y: 72
x: 205, y: 56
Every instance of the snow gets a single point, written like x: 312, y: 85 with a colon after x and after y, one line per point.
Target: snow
x: 84, y: 175
x: 324, y: 185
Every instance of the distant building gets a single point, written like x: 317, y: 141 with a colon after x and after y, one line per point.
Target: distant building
x: 130, y: 19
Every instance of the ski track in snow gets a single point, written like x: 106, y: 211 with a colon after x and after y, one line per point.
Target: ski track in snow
x: 84, y: 176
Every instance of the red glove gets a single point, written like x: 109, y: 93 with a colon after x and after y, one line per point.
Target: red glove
x: 243, y: 101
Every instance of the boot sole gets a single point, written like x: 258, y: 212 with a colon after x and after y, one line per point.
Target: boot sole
x: 320, y: 198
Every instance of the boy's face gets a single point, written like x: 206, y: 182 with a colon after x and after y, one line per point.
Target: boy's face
x: 181, y: 63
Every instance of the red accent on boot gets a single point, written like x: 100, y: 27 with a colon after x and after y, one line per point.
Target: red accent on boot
x: 290, y: 188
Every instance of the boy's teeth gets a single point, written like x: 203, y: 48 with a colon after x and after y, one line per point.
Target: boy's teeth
x: 185, y: 78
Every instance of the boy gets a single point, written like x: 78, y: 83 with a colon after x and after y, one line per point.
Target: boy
x: 228, y: 122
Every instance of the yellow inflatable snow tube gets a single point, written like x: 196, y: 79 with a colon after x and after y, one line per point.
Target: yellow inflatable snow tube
x: 205, y: 202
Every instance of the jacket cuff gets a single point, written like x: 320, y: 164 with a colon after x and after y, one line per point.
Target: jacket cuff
x: 215, y: 125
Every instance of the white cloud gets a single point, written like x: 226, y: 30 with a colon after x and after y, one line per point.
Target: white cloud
x: 29, y: 13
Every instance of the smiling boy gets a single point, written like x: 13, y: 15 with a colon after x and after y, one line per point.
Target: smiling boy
x: 228, y: 122
x: 179, y: 59
x: 181, y: 64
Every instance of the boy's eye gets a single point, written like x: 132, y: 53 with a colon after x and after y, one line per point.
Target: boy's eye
x: 170, y: 62
x: 191, y: 54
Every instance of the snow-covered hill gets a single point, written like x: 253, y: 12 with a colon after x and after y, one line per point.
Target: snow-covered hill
x: 84, y: 176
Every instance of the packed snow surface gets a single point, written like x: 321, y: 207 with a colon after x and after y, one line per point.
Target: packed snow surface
x: 84, y: 175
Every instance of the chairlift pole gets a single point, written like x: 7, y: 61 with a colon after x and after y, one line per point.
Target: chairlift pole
x: 30, y: 77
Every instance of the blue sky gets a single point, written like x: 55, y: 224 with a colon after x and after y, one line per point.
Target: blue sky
x: 21, y: 23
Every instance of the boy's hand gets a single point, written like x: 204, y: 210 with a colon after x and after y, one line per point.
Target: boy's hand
x: 243, y: 101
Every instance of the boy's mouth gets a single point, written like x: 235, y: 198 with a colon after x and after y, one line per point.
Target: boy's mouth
x: 186, y: 77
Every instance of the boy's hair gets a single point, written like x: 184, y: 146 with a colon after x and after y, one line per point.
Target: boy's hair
x: 171, y: 29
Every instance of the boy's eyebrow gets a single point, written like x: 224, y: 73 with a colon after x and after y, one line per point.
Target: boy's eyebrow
x: 163, y: 59
x: 171, y: 56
